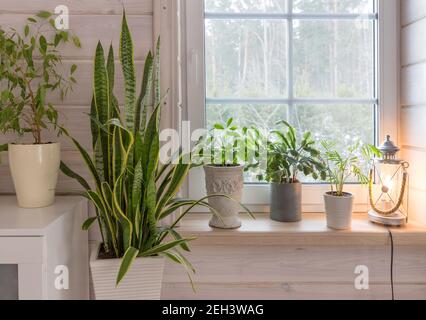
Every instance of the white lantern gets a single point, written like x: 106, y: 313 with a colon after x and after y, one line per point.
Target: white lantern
x: 388, y: 187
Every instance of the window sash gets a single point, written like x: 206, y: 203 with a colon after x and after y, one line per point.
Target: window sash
x: 386, y: 16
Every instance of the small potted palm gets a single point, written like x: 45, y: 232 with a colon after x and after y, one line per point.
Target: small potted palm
x: 224, y: 151
x: 344, y: 167
x: 30, y: 71
x: 287, y: 158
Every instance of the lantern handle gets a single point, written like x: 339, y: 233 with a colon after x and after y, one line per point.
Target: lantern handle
x: 400, y: 198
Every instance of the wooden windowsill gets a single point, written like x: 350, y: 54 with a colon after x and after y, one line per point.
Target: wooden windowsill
x: 312, y: 230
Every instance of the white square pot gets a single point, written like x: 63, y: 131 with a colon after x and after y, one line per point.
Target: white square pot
x: 142, y: 282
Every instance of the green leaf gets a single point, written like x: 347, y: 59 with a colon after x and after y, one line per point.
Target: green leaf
x: 44, y: 14
x: 43, y: 44
x: 27, y: 30
x: 218, y: 126
x: 73, y: 68
x: 68, y: 172
x: 229, y: 122
x: 129, y: 257
x: 76, y: 41
x: 127, y: 63
x: 164, y: 247
x: 88, y: 223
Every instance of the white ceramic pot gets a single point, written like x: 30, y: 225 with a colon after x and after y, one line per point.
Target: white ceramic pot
x: 35, y: 171
x: 339, y: 210
x: 228, y: 181
x: 143, y: 281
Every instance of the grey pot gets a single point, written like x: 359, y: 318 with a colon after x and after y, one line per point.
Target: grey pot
x: 286, y: 202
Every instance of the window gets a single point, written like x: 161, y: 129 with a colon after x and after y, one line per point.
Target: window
x: 316, y: 63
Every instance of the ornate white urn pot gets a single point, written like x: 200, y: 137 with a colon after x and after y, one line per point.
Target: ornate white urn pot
x: 227, y: 181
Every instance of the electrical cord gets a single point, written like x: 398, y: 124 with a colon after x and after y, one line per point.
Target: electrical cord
x: 392, y: 264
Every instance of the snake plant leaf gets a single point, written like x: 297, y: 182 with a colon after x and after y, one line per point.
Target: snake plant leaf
x: 126, y: 224
x: 70, y: 173
x: 93, y: 126
x: 102, y: 103
x: 157, y: 68
x: 86, y: 158
x: 111, y: 70
x: 163, y: 247
x: 127, y: 63
x: 129, y: 257
x: 88, y: 223
x: 179, y: 173
x: 145, y: 94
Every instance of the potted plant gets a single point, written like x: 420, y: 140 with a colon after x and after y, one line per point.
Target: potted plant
x: 343, y: 167
x: 29, y: 72
x: 286, y: 159
x: 133, y: 190
x: 224, y: 151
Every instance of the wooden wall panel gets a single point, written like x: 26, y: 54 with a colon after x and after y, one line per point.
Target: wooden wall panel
x: 92, y: 21
x: 412, y: 10
x: 413, y: 48
x: 413, y: 121
x: 306, y: 272
x: 80, y: 7
x: 93, y: 28
x: 413, y: 101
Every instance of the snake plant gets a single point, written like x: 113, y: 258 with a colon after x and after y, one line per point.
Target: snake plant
x: 132, y: 190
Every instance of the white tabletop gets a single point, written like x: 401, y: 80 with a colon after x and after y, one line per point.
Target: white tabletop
x: 15, y: 221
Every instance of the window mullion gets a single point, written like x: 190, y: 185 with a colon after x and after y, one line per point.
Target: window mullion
x: 290, y: 73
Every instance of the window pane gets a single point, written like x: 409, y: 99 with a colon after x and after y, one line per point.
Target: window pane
x: 333, y: 59
x: 246, y: 6
x: 336, y: 123
x: 246, y: 58
x: 262, y: 116
x: 334, y: 6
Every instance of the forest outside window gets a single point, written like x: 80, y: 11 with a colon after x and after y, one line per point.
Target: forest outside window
x: 310, y: 62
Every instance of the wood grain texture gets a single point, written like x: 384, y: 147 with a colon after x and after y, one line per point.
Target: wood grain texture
x: 412, y: 126
x: 413, y: 49
x: 412, y: 89
x: 269, y: 260
x: 80, y: 7
x: 312, y: 230
x: 417, y: 170
x: 93, y: 28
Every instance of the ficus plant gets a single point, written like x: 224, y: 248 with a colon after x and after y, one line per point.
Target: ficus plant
x: 288, y: 156
x: 347, y: 166
x: 132, y: 191
x: 31, y: 69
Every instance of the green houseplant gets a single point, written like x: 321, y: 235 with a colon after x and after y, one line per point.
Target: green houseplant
x: 30, y: 70
x: 341, y: 168
x: 225, y: 151
x: 132, y: 192
x: 287, y: 158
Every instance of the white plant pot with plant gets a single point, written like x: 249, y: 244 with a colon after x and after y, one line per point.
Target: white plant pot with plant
x: 25, y: 109
x: 286, y: 160
x: 222, y: 152
x: 344, y: 167
x: 134, y: 190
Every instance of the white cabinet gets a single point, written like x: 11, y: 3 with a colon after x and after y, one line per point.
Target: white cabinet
x: 44, y: 252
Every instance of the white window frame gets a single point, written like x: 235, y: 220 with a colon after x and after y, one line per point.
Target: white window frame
x: 257, y: 196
